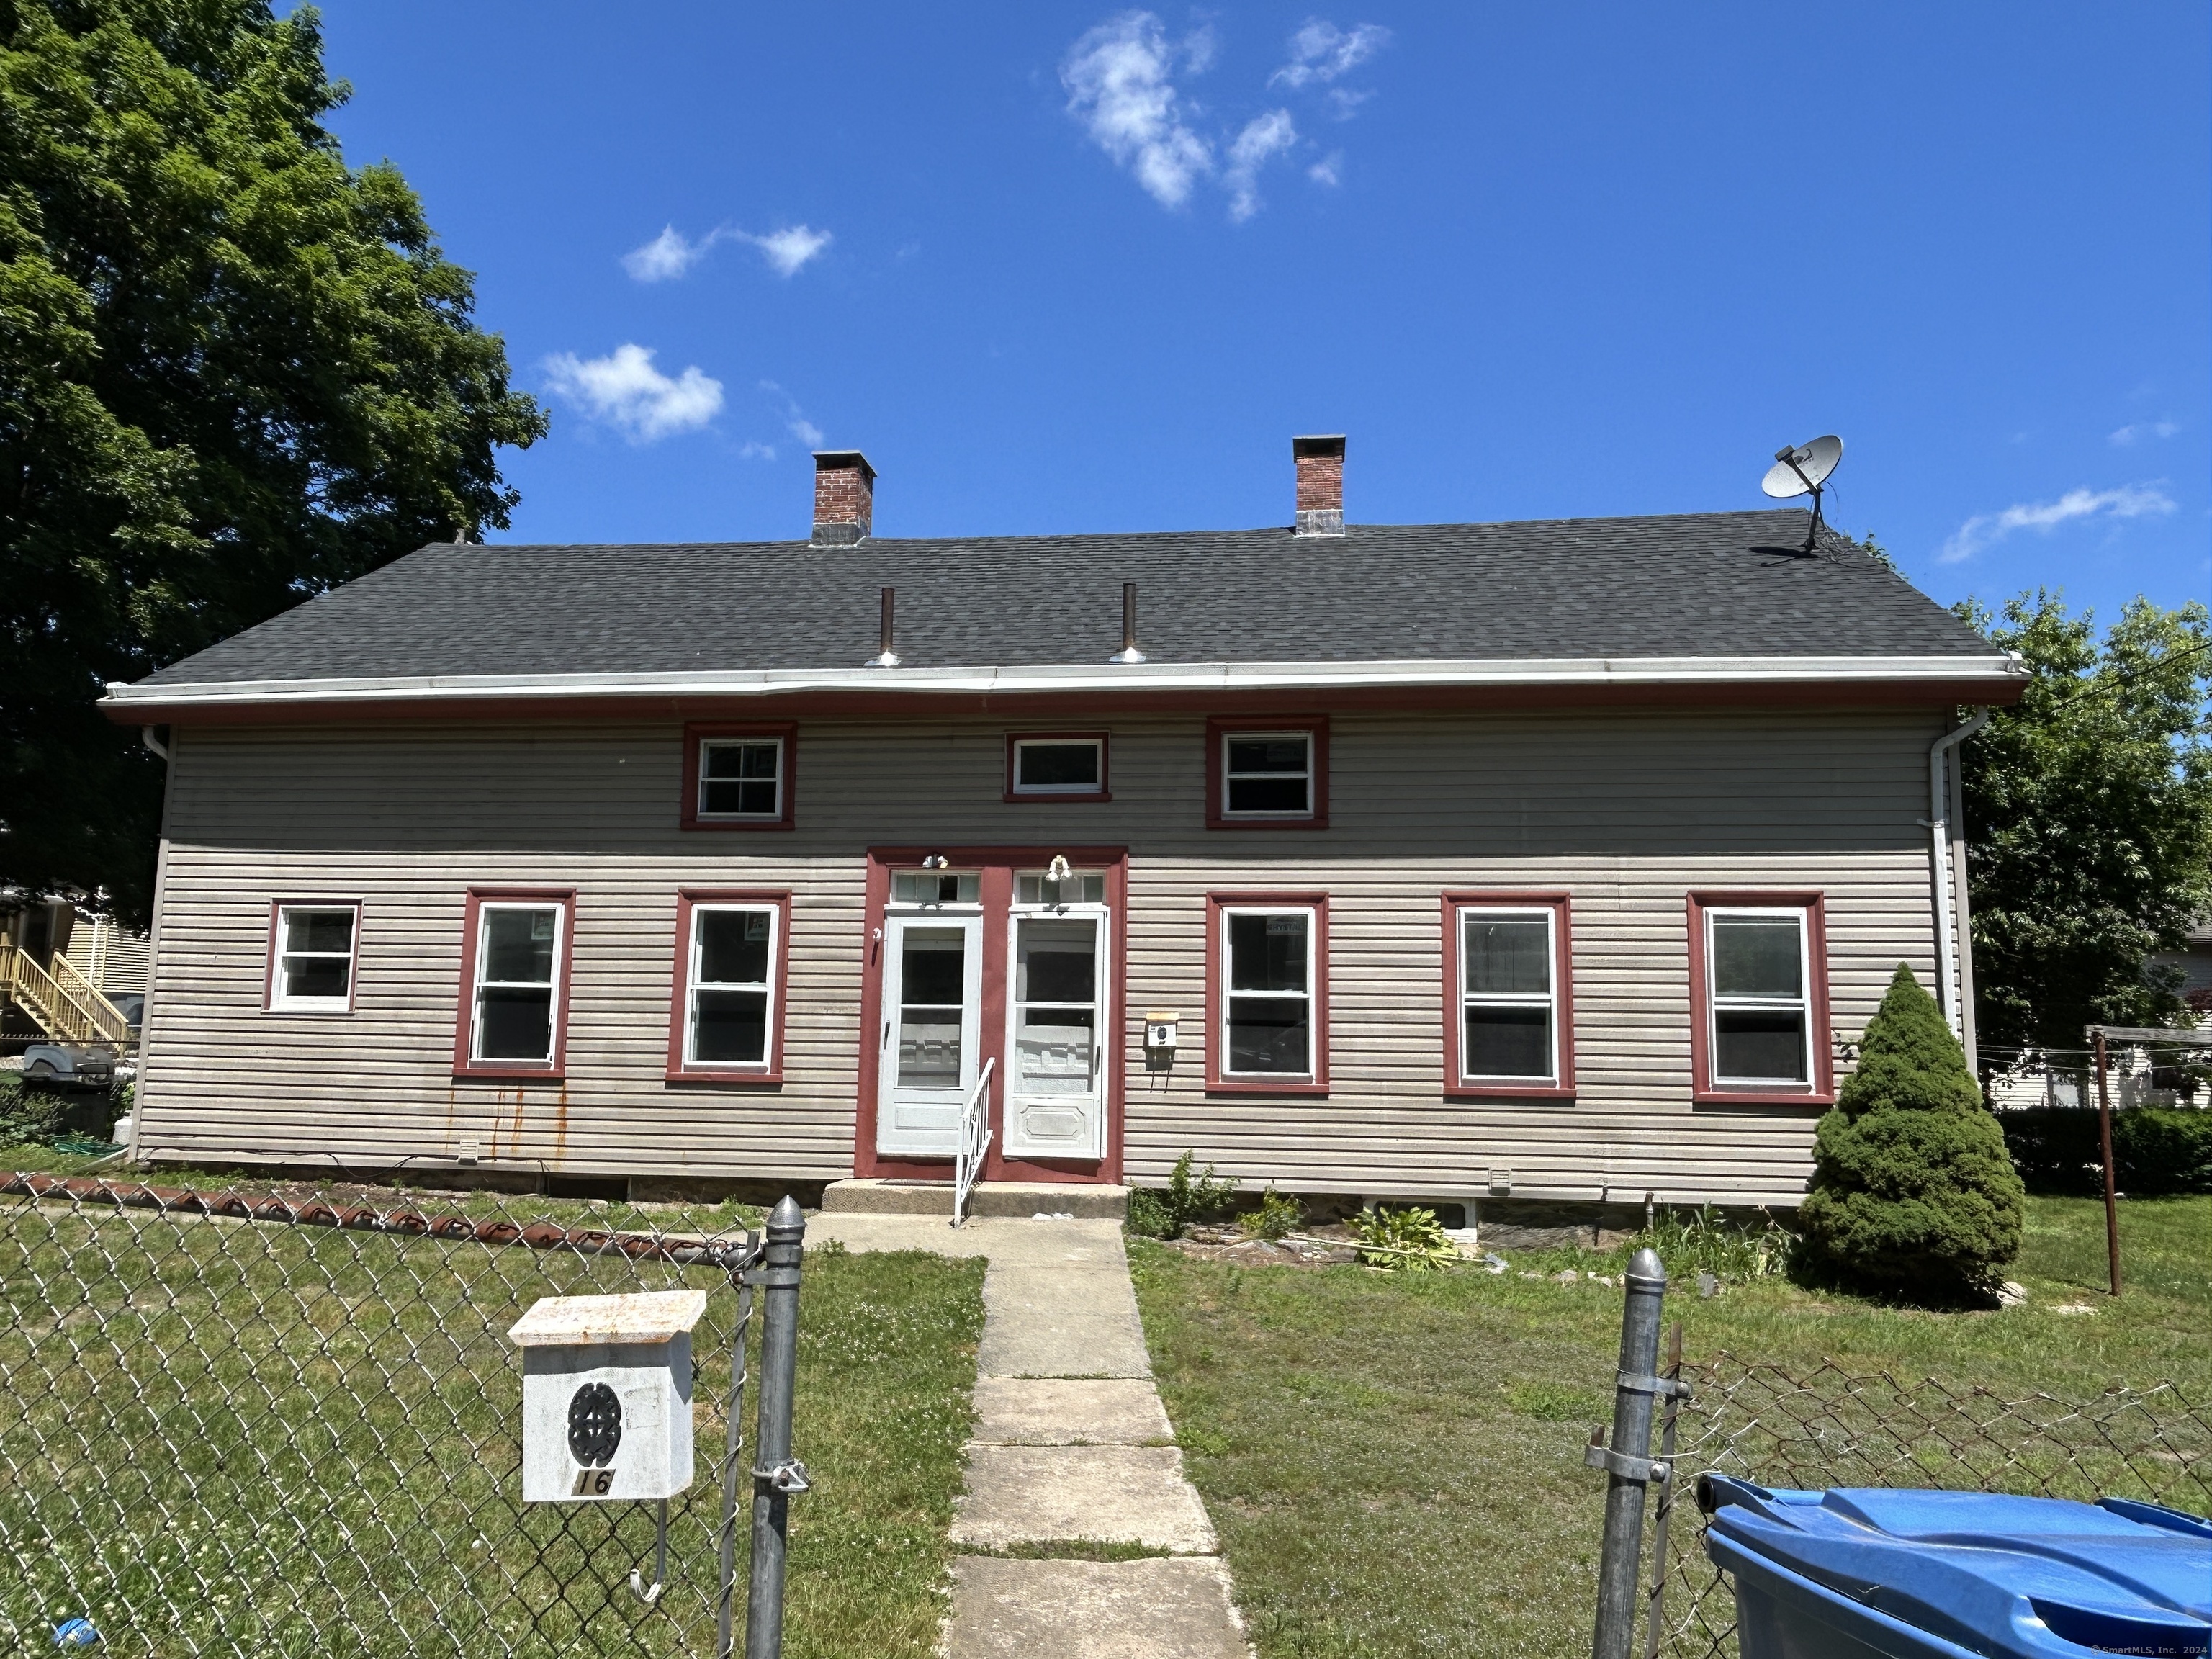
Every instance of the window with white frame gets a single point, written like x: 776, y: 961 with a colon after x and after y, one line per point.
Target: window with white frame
x: 312, y: 972
x: 1757, y: 997
x: 1267, y: 992
x: 740, y: 778
x: 730, y: 986
x: 1058, y: 765
x: 1509, y: 995
x: 1267, y: 774
x: 517, y: 991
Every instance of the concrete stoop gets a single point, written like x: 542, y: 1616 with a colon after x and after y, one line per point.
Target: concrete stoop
x: 890, y: 1195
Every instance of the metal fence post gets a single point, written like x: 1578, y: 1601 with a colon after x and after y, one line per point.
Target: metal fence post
x: 1630, y: 1469
x: 776, y: 1472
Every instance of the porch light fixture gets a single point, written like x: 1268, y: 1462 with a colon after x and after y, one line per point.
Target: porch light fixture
x: 1058, y: 870
x: 934, y: 861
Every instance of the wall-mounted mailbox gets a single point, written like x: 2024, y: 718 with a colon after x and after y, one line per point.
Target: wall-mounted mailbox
x: 606, y: 1395
x: 1160, y: 1031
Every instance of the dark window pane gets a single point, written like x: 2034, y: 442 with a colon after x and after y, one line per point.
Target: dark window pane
x: 315, y: 976
x: 730, y: 1025
x: 1762, y: 1045
x: 1058, y: 974
x: 1508, y: 1042
x: 738, y: 780
x: 740, y: 760
x: 1268, y: 953
x: 732, y: 947
x: 1266, y: 754
x: 319, y: 930
x: 1756, y: 957
x: 729, y: 799
x: 1268, y: 795
x: 518, y: 947
x: 515, y: 1024
x: 1069, y: 766
x: 1267, y: 1034
x: 1509, y: 957
x: 933, y: 967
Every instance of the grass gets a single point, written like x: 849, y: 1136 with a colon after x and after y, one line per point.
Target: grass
x: 1393, y: 1461
x: 225, y: 1436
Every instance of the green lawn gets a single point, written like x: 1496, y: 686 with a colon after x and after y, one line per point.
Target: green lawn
x: 1394, y: 1461
x: 225, y: 1436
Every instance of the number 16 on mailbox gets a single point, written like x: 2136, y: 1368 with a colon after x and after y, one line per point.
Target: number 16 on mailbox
x: 606, y: 1395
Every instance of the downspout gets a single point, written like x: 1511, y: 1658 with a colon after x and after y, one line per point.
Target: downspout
x: 1947, y: 908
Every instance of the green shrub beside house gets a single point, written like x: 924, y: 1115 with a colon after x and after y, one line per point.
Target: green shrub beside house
x: 2156, y: 1149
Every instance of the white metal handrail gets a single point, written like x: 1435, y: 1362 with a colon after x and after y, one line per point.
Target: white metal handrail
x: 974, y: 1141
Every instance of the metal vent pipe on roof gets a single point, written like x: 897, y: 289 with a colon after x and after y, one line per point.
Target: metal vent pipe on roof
x: 885, y: 657
x: 1129, y: 652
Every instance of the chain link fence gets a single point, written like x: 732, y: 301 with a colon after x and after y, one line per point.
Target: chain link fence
x: 1829, y: 1427
x: 233, y: 1424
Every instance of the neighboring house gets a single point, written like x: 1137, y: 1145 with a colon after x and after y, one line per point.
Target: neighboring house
x: 2194, y: 961
x: 91, y: 993
x: 1559, y: 859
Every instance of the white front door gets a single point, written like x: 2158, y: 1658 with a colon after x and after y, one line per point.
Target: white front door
x: 1055, y: 1019
x: 932, y: 1012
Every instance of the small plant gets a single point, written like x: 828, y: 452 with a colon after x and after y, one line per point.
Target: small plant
x: 1164, y: 1211
x: 1706, y: 1242
x: 1278, y: 1216
x: 1412, y: 1239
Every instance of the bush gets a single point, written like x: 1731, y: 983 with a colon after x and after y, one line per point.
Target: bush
x: 29, y: 1116
x: 1278, y: 1216
x: 1707, y: 1242
x: 1164, y: 1211
x: 1912, y: 1189
x: 2155, y: 1149
x: 1408, y: 1238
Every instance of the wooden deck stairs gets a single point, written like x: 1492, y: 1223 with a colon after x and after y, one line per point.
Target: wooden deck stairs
x: 64, y: 1003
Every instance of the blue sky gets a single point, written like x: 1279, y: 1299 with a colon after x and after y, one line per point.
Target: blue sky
x: 1071, y: 268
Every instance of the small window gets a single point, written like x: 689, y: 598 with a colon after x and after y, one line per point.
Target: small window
x: 1758, y: 994
x: 517, y: 967
x: 741, y: 778
x: 1268, y: 777
x: 1057, y: 767
x: 1081, y: 887
x: 1269, y: 1002
x: 312, y: 965
x: 1509, y: 1015
x: 731, y: 985
x: 936, y: 887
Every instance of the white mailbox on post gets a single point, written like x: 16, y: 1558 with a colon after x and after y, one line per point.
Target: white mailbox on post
x: 606, y: 1395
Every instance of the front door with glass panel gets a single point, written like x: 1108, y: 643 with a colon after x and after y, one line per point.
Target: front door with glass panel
x: 1055, y: 1020
x: 930, y: 1030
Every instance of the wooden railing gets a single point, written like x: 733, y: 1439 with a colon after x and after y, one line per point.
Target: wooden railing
x: 66, y: 1004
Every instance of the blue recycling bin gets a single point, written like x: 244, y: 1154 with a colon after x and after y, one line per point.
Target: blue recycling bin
x: 1860, y: 1572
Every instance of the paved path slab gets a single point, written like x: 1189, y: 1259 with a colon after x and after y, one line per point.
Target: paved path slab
x: 1177, y: 1608
x: 1058, y: 1412
x: 1066, y: 1494
x: 1061, y: 1321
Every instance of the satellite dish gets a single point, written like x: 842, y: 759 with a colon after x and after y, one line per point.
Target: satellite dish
x: 1803, y: 470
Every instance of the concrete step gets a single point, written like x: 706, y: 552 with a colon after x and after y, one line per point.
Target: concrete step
x: 889, y: 1195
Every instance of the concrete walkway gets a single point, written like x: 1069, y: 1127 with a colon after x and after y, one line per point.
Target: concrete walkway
x: 1072, y: 1447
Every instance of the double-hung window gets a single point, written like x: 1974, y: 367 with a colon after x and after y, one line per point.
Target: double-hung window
x: 1512, y: 1007
x: 738, y: 777
x: 310, y: 959
x: 1265, y: 776
x: 1761, y: 996
x: 515, y: 990
x: 729, y: 980
x: 1269, y: 992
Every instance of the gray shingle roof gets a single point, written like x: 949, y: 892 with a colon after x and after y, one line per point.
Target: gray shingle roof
x: 1703, y: 585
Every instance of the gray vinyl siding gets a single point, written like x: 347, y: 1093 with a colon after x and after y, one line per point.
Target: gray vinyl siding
x: 1628, y: 811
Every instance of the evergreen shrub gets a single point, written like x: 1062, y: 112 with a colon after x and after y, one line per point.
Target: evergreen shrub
x: 2155, y: 1149
x: 1912, y: 1188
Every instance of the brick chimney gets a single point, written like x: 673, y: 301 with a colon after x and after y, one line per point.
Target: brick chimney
x: 1320, y: 462
x: 844, y: 497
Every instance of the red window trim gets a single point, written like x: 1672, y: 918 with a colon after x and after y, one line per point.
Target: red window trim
x: 1217, y: 728
x: 1563, y: 993
x: 1703, y: 1091
x: 697, y: 731
x: 464, y: 1020
x: 1217, y: 1079
x: 276, y: 908
x: 679, y: 999
x: 1103, y: 791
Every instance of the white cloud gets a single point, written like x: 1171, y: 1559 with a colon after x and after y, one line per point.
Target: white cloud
x: 794, y: 421
x: 1986, y: 530
x: 2128, y: 434
x: 1329, y: 170
x: 667, y: 255
x: 1264, y: 138
x: 752, y: 451
x: 1121, y: 85
x: 625, y: 390
x: 1320, y: 51
x: 790, y: 248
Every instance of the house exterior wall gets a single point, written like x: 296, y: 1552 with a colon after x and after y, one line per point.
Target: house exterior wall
x: 1628, y: 811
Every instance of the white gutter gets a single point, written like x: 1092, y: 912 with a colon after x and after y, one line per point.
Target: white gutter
x: 1939, y: 840
x: 1103, y: 677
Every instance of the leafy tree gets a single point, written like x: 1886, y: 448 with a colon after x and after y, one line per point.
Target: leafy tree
x: 2089, y: 822
x: 1912, y: 1188
x: 233, y: 372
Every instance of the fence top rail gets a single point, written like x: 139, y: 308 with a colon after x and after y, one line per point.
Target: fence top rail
x: 2169, y: 1037
x: 682, y: 1248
